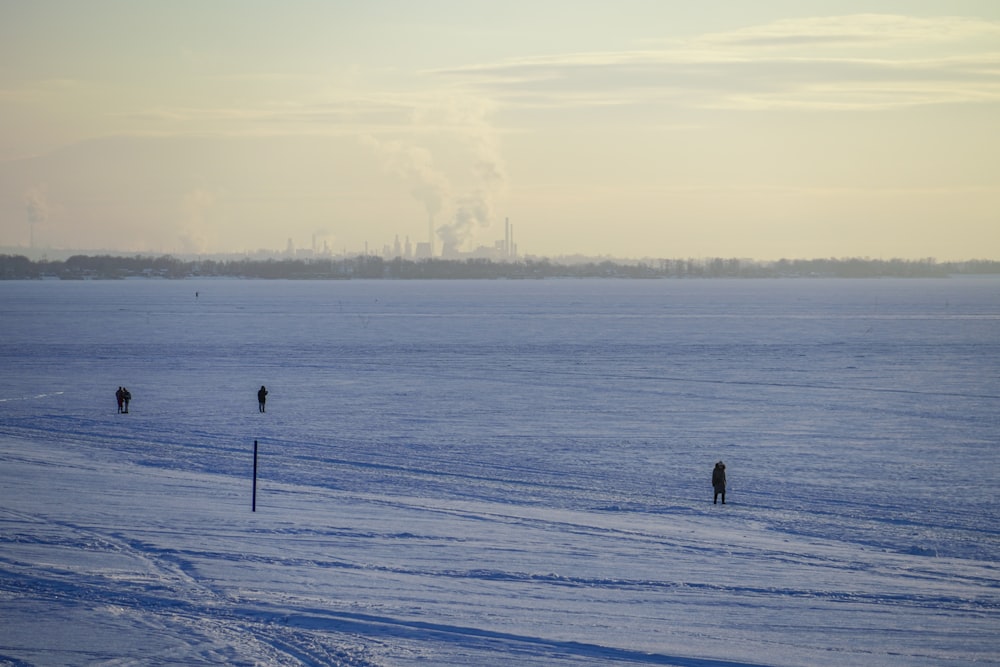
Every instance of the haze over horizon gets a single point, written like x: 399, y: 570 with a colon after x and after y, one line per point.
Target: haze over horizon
x: 633, y: 129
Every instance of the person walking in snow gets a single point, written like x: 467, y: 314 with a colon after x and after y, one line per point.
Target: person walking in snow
x: 261, y: 398
x: 119, y: 396
x: 719, y: 482
x: 126, y: 397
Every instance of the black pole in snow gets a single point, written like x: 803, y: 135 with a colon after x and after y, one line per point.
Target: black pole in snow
x: 254, y: 476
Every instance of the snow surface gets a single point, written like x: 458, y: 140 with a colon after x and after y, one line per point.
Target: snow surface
x: 500, y: 473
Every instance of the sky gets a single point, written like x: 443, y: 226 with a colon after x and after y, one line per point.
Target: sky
x: 633, y: 129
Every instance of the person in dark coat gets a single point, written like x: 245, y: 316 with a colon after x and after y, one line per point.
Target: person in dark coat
x: 126, y: 397
x: 261, y: 398
x: 719, y: 482
x: 119, y: 396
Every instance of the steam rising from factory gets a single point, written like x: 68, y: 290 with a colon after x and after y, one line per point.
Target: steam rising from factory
x: 454, y: 220
x: 503, y: 250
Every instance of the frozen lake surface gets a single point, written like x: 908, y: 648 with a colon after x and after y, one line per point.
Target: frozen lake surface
x: 500, y: 473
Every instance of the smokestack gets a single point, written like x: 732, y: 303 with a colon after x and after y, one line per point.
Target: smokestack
x: 506, y: 238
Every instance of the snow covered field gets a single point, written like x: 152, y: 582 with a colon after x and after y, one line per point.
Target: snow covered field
x: 500, y: 473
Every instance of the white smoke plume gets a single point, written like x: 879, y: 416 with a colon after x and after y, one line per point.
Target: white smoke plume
x: 322, y: 237
x: 36, y: 205
x: 474, y: 211
x: 416, y: 167
x: 194, y: 233
x: 464, y: 124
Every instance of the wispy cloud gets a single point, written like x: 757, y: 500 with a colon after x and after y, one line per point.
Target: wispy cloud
x: 342, y: 115
x: 848, y: 62
x: 881, y: 30
x: 857, y: 62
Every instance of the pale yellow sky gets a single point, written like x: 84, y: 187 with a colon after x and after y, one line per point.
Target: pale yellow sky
x: 649, y: 128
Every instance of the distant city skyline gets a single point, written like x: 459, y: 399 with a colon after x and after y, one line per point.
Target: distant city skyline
x: 766, y: 130
x: 502, y: 249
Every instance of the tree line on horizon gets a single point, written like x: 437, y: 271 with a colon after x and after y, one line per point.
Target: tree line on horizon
x: 109, y: 267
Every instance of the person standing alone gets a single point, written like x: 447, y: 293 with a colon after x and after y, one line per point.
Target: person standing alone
x: 261, y: 398
x: 719, y: 482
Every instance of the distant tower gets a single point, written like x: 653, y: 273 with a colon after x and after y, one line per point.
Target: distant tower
x: 506, y: 238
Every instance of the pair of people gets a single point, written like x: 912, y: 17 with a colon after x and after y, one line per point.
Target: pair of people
x: 123, y: 397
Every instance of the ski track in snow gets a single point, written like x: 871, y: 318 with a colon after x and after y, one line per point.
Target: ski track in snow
x: 512, y: 479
